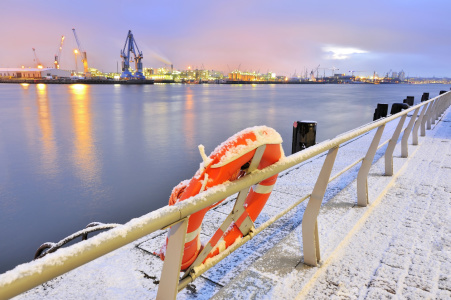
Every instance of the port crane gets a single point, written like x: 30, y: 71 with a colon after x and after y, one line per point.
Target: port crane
x: 84, y: 58
x: 58, y: 54
x: 36, y: 59
x: 324, y: 72
x: 333, y: 70
x: 130, y: 44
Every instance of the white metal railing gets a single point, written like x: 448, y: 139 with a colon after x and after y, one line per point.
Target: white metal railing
x: 27, y: 276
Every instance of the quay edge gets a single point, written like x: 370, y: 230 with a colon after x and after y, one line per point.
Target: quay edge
x: 79, y: 81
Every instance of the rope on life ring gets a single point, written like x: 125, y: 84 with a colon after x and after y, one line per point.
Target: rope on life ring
x: 253, y: 148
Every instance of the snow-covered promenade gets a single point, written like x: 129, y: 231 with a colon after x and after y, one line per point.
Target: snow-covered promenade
x: 398, y: 247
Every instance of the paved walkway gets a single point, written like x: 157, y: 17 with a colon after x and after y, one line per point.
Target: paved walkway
x: 399, y: 247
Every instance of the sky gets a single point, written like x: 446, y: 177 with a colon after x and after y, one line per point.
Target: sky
x: 285, y: 37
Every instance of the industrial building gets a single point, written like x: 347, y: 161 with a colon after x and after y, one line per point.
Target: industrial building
x: 33, y: 73
x: 243, y: 76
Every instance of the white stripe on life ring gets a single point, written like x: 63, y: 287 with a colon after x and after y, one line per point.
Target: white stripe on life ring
x: 192, y: 235
x: 263, y: 189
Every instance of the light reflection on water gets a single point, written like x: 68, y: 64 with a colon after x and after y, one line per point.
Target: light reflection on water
x: 49, y: 165
x: 73, y: 154
x: 84, y: 156
x: 86, y: 164
x: 188, y: 121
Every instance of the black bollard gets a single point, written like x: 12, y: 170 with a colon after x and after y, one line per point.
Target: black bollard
x: 376, y: 115
x: 442, y: 92
x: 425, y: 97
x: 410, y: 100
x: 380, y: 111
x: 397, y: 107
x: 304, y: 135
x: 383, y: 109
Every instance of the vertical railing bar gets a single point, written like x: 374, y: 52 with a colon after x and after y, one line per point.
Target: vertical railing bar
x: 442, y: 107
x: 417, y: 125
x: 169, y: 281
x: 434, y: 111
x: 445, y: 103
x: 256, y: 159
x: 211, y: 244
x: 310, y: 238
x: 391, y: 147
x: 362, y: 176
x: 406, y: 134
x: 439, y: 109
x: 429, y: 114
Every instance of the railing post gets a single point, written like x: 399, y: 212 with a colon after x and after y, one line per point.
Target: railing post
x: 429, y: 114
x: 362, y: 176
x: 434, y: 111
x: 310, y: 239
x: 425, y: 119
x: 406, y: 134
x: 417, y: 125
x: 439, y: 108
x: 170, y: 274
x: 445, y: 100
x: 391, y: 147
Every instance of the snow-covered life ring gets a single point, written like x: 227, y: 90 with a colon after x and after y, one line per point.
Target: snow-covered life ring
x: 226, y: 163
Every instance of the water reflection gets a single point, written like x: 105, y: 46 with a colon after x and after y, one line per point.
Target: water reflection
x: 49, y: 164
x: 188, y: 120
x: 84, y: 159
x: 25, y: 86
x: 118, y: 119
x: 150, y: 127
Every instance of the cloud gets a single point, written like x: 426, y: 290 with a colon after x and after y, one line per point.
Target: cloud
x: 333, y: 52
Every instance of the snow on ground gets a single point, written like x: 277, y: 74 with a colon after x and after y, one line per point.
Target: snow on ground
x: 398, y: 247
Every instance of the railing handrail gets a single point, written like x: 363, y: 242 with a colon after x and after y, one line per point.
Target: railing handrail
x: 29, y: 275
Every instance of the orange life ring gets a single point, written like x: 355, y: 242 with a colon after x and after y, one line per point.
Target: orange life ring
x: 225, y: 164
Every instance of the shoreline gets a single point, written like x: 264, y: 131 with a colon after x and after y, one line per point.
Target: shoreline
x: 151, y: 81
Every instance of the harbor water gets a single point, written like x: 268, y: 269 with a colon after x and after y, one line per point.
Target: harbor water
x: 75, y: 154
